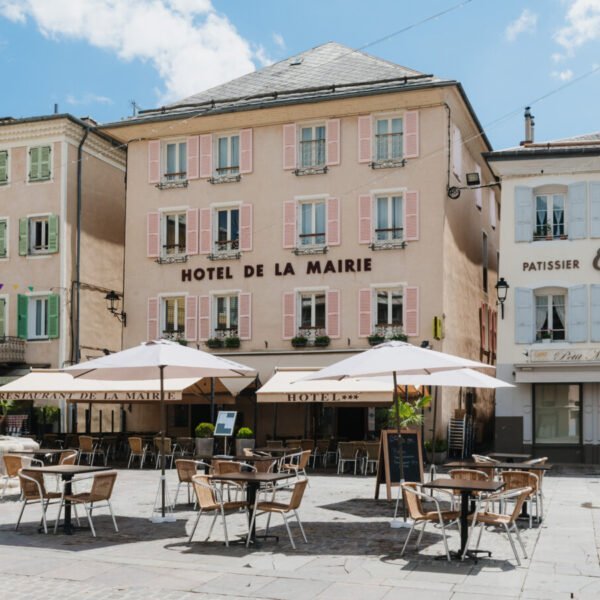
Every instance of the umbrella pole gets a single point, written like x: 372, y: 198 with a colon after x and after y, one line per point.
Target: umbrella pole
x: 162, y: 441
x: 400, y: 449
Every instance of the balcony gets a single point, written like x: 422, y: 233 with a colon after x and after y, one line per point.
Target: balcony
x: 12, y: 350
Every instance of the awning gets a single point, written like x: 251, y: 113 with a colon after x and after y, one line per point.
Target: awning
x: 284, y: 387
x: 47, y: 385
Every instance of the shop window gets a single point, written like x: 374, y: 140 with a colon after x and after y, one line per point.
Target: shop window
x: 557, y: 413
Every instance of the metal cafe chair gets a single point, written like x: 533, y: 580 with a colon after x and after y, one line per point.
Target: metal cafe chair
x: 186, y: 469
x: 33, y: 490
x: 89, y: 447
x: 348, y: 452
x: 13, y: 463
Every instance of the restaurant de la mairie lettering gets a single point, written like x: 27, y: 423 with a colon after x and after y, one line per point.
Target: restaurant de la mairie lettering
x: 312, y: 267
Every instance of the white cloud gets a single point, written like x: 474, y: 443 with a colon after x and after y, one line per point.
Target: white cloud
x: 190, y: 45
x: 87, y: 99
x: 557, y: 57
x: 262, y: 56
x: 526, y: 23
x: 279, y: 41
x: 565, y: 75
x: 582, y: 24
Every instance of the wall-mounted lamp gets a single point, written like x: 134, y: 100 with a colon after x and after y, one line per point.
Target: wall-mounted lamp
x: 501, y: 291
x: 112, y: 305
x: 473, y: 183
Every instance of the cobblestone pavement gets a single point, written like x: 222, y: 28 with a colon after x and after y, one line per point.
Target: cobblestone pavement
x: 352, y: 551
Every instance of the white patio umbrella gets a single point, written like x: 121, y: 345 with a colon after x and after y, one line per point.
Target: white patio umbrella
x: 160, y: 359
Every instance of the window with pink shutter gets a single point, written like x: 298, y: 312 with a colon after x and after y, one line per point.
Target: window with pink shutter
x: 246, y: 151
x: 365, y: 139
x: 245, y: 316
x: 333, y: 142
x: 191, y: 231
x: 246, y: 227
x: 411, y: 216
x: 205, y: 231
x: 193, y: 157
x: 153, y: 235
x: 204, y: 329
x: 152, y: 320
x: 333, y: 313
x: 154, y: 161
x: 411, y: 311
x: 289, y: 146
x: 191, y: 318
x: 289, y: 315
x: 411, y: 134
x: 493, y: 216
x: 365, y: 218
x: 289, y: 224
x: 206, y: 161
x: 364, y: 312
x: 333, y: 222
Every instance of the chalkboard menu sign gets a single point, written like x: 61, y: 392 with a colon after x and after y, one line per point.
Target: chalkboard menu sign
x: 388, y: 470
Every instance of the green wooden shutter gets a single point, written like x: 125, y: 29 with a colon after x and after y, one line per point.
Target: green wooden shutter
x: 3, y: 244
x: 3, y: 166
x: 44, y: 172
x: 52, y: 233
x: 22, y: 309
x: 23, y: 236
x: 53, y: 308
x: 34, y: 163
x: 2, y: 317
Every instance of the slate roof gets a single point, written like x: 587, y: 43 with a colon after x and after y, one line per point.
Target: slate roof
x: 588, y: 143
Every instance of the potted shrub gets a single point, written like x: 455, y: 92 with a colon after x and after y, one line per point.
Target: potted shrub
x: 214, y: 342
x: 322, y: 341
x: 5, y: 406
x: 375, y: 338
x: 437, y: 455
x: 204, y: 439
x: 244, y: 439
x: 46, y: 417
x: 232, y: 342
x: 546, y: 336
x: 299, y: 341
x: 183, y: 342
x: 399, y: 337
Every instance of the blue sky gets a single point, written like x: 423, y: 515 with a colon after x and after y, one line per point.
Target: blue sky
x: 93, y: 57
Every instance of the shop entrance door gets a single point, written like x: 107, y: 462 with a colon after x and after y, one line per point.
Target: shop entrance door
x: 351, y: 423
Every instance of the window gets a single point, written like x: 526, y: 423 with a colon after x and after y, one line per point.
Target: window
x: 174, y: 234
x: 175, y: 161
x: 3, y: 327
x: 3, y: 167
x: 226, y: 313
x: 550, y: 317
x: 557, y: 413
x: 3, y: 238
x: 228, y: 229
x: 389, y: 218
x: 549, y: 216
x: 39, y: 163
x: 312, y: 146
x: 388, y: 312
x: 388, y: 139
x: 312, y: 313
x: 312, y: 223
x: 38, y: 235
x: 173, y: 317
x: 228, y: 155
x: 38, y: 318
x: 484, y: 261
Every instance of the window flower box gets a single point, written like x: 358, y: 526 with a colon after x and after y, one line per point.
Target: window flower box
x: 299, y: 341
x: 375, y: 339
x: 322, y: 341
x: 214, y: 343
x: 232, y: 342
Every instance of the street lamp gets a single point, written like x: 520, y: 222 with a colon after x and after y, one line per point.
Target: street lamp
x: 112, y: 305
x: 501, y: 291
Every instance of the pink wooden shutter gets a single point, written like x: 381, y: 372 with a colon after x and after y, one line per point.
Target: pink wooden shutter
x: 333, y: 313
x: 289, y: 146
x: 154, y: 161
x: 153, y: 234
x: 206, y: 167
x: 289, y: 315
x: 411, y: 311
x: 478, y: 191
x: 191, y: 318
x: 191, y: 231
x: 365, y: 139
x: 193, y: 157
x: 411, y: 216
x: 152, y: 330
x: 365, y: 208
x: 205, y: 231
x: 411, y: 134
x: 333, y: 142
x: 333, y: 221
x: 289, y: 224
x: 492, y: 209
x: 203, y: 317
x: 246, y: 151
x: 364, y: 312
x: 245, y: 303
x: 246, y: 227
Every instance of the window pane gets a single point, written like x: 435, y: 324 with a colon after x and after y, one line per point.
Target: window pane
x: 171, y: 158
x: 557, y: 419
x: 320, y: 310
x: 306, y: 210
x: 396, y: 308
x: 558, y: 215
x: 222, y: 153
x: 222, y: 225
x: 320, y: 146
x: 541, y: 216
x: 306, y: 134
x: 180, y: 325
x: 306, y: 311
x: 382, y: 308
x: 235, y: 224
x: 235, y: 151
x: 38, y: 318
x: 396, y: 139
x: 182, y: 157
x: 320, y: 223
x: 541, y: 315
x: 382, y: 140
x: 233, y: 311
x: 397, y: 217
x: 382, y: 218
x: 181, y: 233
x: 221, y: 312
x: 558, y: 317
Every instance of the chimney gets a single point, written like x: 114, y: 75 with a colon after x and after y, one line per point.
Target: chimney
x: 529, y: 126
x: 55, y: 108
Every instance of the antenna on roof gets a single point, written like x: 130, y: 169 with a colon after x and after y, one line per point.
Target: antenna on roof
x: 134, y: 107
x: 56, y: 108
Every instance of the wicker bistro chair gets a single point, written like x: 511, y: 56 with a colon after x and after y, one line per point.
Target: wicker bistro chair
x: 68, y: 457
x: 139, y: 450
x: 163, y: 453
x: 371, y: 457
x: 223, y: 467
x: 469, y: 475
x: 320, y: 452
x: 89, y: 448
x: 521, y: 479
x: 348, y: 452
x: 485, y: 464
x: 186, y: 446
x: 186, y: 469
x: 483, y: 517
x: 210, y: 499
x: 34, y: 490
x: 13, y: 463
x: 414, y: 501
x: 103, y: 484
x: 296, y: 462
x: 283, y: 508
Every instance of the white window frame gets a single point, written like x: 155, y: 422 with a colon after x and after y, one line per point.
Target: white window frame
x: 389, y: 329
x: 180, y: 175
x: 229, y: 330
x: 178, y: 333
x: 312, y: 331
x: 550, y: 198
x: 549, y: 293
x: 389, y: 117
x: 31, y: 233
x: 32, y: 303
x: 300, y: 202
x: 231, y: 245
x: 388, y: 196
x: 164, y: 215
x: 227, y: 170
x: 313, y: 163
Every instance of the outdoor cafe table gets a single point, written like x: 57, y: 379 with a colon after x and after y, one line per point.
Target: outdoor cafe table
x: 466, y: 489
x: 503, y: 466
x: 508, y: 456
x: 253, y: 482
x: 67, y: 472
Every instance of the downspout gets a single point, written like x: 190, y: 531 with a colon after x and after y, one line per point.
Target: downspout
x: 76, y: 354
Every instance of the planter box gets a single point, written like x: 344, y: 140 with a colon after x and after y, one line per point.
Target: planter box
x: 437, y: 458
x: 204, y: 446
x: 242, y: 443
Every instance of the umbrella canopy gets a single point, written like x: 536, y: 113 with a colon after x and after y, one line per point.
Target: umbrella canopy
x: 400, y: 358
x: 456, y: 378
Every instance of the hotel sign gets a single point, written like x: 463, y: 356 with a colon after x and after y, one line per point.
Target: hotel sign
x: 323, y: 397
x: 585, y: 355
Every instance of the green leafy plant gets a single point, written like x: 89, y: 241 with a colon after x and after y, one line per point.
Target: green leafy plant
x: 322, y: 340
x: 245, y: 433
x: 440, y: 445
x: 409, y: 412
x: 214, y: 342
x: 232, y: 342
x: 47, y: 414
x: 546, y: 334
x: 399, y: 337
x: 204, y: 430
x: 182, y: 342
x: 299, y: 341
x: 5, y: 406
x: 375, y: 338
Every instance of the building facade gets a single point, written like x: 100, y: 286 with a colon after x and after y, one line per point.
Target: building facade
x: 549, y: 339
x: 299, y: 213
x: 62, y: 207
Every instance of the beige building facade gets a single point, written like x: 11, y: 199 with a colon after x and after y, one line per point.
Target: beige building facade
x: 56, y: 267
x: 292, y: 216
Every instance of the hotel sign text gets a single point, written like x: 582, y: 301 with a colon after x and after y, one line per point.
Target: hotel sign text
x: 565, y: 356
